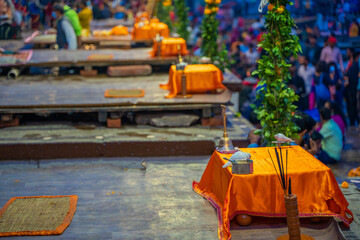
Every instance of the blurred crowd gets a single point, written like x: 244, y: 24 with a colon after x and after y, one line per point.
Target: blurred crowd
x: 19, y: 15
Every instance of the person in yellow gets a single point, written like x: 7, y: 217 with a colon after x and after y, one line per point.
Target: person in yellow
x: 354, y: 29
x: 85, y: 16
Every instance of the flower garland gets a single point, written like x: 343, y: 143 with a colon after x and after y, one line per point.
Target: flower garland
x: 164, y: 8
x: 276, y: 110
x: 209, y: 29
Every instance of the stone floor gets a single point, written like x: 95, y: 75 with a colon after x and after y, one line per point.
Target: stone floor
x: 116, y: 200
x: 350, y: 159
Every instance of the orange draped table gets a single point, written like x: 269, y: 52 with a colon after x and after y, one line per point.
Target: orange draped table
x: 169, y: 47
x: 200, y: 78
x: 148, y: 31
x: 141, y: 16
x: 260, y: 194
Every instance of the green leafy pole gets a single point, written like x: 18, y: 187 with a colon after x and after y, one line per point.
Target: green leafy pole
x: 276, y: 109
x: 209, y: 29
x: 209, y: 34
x: 182, y: 18
x: 163, y: 12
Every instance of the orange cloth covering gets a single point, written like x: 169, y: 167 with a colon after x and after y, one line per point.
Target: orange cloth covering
x: 169, y: 47
x: 260, y: 193
x: 119, y: 30
x: 200, y: 78
x: 148, y: 31
x: 141, y: 17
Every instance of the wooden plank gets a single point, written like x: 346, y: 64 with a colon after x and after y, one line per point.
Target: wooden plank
x: 108, y: 108
x: 109, y: 23
x: 63, y: 58
x: 43, y: 40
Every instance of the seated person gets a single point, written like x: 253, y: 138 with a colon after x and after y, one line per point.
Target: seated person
x: 306, y: 125
x: 337, y: 115
x: 8, y: 27
x: 316, y: 138
x: 332, y: 142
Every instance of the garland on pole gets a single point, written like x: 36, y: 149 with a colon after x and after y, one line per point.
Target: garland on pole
x: 209, y: 29
x: 276, y: 109
x: 164, y: 7
x: 182, y: 18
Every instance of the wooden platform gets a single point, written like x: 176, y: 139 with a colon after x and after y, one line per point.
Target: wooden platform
x: 12, y: 45
x: 109, y: 23
x: 79, y: 58
x: 125, y: 41
x: 38, y: 93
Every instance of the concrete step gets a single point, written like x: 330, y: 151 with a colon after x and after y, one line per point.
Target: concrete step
x: 65, y: 140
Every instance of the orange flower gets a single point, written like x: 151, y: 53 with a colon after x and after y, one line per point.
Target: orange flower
x: 270, y: 7
x: 207, y: 11
x: 167, y: 3
x: 217, y: 1
x: 215, y: 9
x: 280, y: 9
x: 345, y: 184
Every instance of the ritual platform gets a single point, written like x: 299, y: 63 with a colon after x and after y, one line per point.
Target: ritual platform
x: 92, y: 58
x: 45, y: 95
x: 74, y: 92
x: 109, y: 23
x: 259, y: 194
x: 125, y: 41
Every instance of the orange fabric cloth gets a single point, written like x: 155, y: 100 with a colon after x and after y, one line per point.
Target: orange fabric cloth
x: 147, y: 31
x: 141, y: 17
x: 260, y: 193
x: 119, y: 30
x: 200, y: 78
x: 169, y: 47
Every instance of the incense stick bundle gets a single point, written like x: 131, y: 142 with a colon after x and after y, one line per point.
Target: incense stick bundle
x: 282, y: 170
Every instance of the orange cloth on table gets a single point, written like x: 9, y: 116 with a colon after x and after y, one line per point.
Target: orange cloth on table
x: 200, y: 78
x: 140, y: 17
x: 119, y: 30
x: 154, y: 20
x: 148, y: 31
x: 260, y: 193
x: 169, y: 47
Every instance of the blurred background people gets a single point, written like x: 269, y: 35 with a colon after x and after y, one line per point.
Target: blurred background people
x: 85, y: 16
x: 65, y: 37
